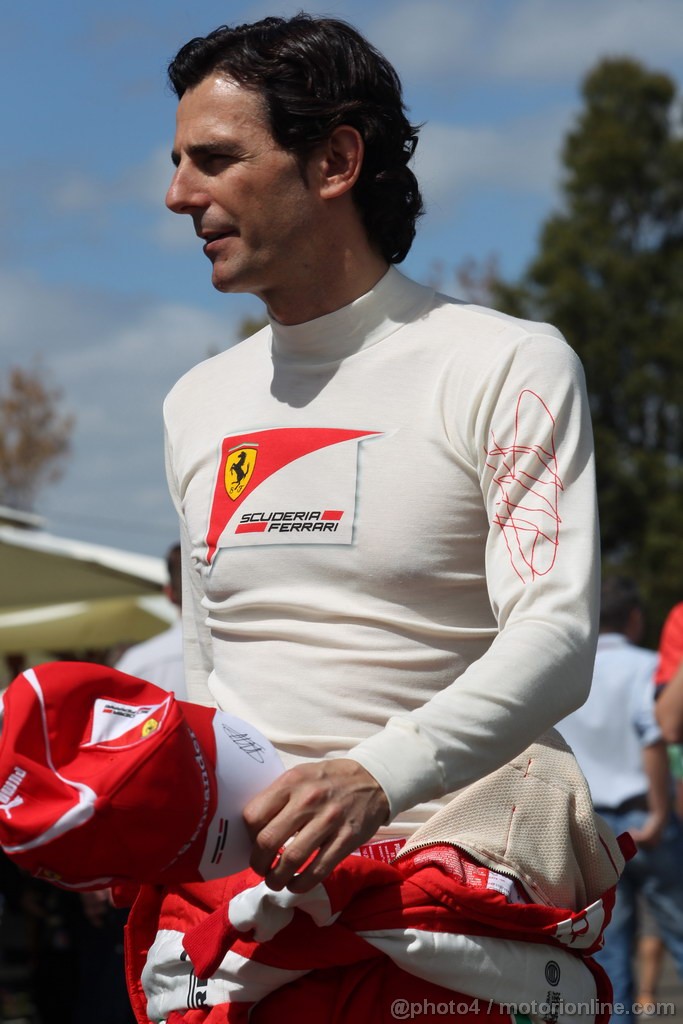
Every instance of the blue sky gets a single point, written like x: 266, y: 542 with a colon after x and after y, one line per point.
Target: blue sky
x: 113, y: 292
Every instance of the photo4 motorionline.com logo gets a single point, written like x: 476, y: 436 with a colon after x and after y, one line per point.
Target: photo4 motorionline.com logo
x: 406, y: 1009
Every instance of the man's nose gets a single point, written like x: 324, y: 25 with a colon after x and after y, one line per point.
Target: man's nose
x: 183, y: 195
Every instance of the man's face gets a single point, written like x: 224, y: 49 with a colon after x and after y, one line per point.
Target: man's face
x: 245, y: 194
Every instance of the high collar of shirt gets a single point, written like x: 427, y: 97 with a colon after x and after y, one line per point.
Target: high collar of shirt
x: 393, y: 301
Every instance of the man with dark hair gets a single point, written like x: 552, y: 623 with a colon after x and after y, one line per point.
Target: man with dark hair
x: 314, y: 76
x: 386, y: 497
x: 621, y: 751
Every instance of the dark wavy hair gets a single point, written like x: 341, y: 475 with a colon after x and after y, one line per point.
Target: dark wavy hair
x: 314, y: 75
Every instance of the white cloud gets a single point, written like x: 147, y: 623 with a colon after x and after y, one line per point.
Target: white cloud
x: 533, y: 40
x: 429, y: 37
x: 104, y: 352
x: 145, y: 182
x: 78, y: 192
x: 114, y: 362
x: 148, y: 181
x: 554, y: 40
x: 521, y: 156
x: 172, y: 231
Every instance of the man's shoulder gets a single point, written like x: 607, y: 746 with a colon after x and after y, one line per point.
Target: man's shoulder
x: 490, y: 334
x: 612, y: 649
x: 670, y: 645
x: 675, y: 617
x: 488, y: 318
x: 645, y: 658
x: 209, y: 371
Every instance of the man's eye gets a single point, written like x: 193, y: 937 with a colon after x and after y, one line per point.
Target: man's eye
x: 216, y: 161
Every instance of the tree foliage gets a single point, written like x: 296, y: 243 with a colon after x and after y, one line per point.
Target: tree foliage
x: 250, y: 325
x: 609, y: 274
x: 35, y: 435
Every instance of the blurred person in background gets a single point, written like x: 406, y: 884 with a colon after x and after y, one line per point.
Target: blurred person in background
x: 160, y: 659
x: 622, y: 752
x: 669, y: 679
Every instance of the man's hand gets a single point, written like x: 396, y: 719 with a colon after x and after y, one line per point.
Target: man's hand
x: 656, y: 766
x: 326, y: 808
x: 650, y: 833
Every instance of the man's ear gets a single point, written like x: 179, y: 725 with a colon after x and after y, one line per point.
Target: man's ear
x: 338, y: 161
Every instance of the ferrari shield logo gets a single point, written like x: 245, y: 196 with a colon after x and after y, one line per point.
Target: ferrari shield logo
x: 238, y: 469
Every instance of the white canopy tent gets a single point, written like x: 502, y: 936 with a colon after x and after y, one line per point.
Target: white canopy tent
x: 63, y: 595
x: 39, y: 568
x: 84, y: 625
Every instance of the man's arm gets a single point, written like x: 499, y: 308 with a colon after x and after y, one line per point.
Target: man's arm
x: 669, y: 708
x: 527, y: 435
x: 656, y: 765
x: 530, y: 444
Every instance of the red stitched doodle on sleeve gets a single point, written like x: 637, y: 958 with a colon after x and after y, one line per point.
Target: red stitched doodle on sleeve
x: 527, y: 476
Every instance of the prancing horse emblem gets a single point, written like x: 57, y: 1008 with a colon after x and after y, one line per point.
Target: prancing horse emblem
x: 238, y: 469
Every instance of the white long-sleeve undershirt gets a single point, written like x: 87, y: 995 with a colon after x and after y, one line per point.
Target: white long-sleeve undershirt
x: 389, y: 530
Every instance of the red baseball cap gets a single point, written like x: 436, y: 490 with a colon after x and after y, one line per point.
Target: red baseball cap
x: 106, y: 778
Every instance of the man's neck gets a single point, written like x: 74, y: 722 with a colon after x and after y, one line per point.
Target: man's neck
x: 326, y: 288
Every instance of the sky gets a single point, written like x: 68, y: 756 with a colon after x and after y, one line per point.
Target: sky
x: 111, y: 293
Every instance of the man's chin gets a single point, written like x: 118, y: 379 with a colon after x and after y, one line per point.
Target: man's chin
x: 226, y: 280
x: 225, y: 283
x: 222, y: 286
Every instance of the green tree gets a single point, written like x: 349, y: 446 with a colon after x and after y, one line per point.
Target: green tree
x: 250, y: 325
x: 35, y: 435
x: 609, y: 274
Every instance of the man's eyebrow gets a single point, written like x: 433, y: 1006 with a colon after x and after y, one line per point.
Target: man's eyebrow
x: 199, y: 149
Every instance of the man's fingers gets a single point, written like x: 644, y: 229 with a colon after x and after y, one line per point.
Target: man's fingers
x: 264, y: 807
x: 319, y: 866
x: 278, y: 815
x: 309, y: 856
x: 309, y: 819
x: 285, y: 844
x: 297, y: 853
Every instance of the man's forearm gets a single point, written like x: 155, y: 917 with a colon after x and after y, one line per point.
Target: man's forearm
x: 669, y: 708
x: 656, y: 765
